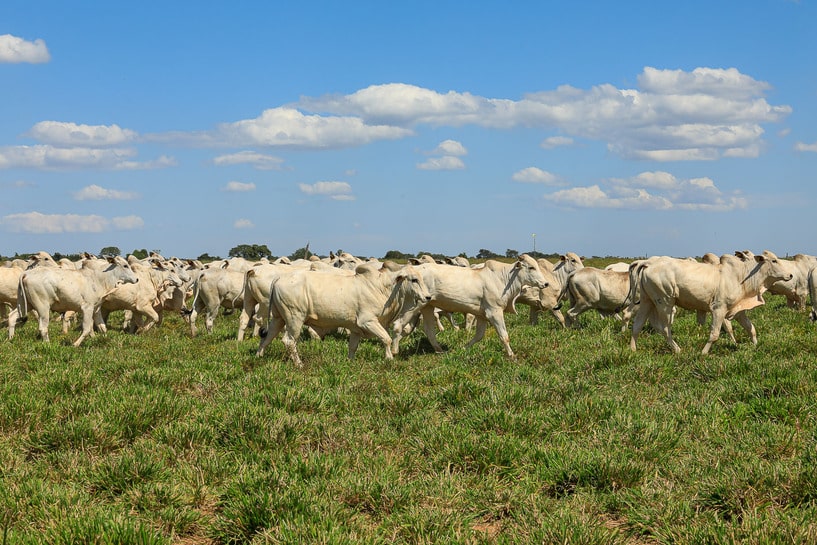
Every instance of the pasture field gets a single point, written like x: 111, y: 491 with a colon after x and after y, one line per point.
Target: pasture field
x: 161, y: 438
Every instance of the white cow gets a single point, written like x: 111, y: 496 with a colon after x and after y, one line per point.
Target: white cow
x: 215, y: 288
x: 9, y: 279
x: 795, y: 290
x: 603, y: 290
x: 727, y: 291
x: 365, y: 304
x: 257, y: 283
x: 142, y: 299
x: 485, y: 293
x: 619, y: 266
x: 568, y: 264
x: 44, y: 289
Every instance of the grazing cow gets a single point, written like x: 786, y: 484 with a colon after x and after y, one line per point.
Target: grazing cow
x: 215, y: 288
x: 603, y: 290
x: 619, y: 266
x: 544, y: 299
x: 365, y: 304
x: 9, y: 279
x: 141, y: 299
x: 485, y: 293
x: 44, y: 289
x: 257, y: 284
x: 568, y: 264
x: 727, y: 291
x: 795, y: 290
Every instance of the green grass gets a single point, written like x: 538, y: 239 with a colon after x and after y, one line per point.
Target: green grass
x: 160, y: 438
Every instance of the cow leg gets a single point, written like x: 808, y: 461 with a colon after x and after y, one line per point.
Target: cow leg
x: 559, y: 317
x: 533, y: 318
x: 244, y: 318
x: 290, y: 339
x: 479, y: 331
x: 450, y: 317
x: 428, y: 327
x: 644, y: 310
x: 13, y: 316
x: 275, y: 326
x: 192, y: 318
x: 437, y: 321
x: 718, y: 316
x: 744, y: 321
x: 88, y: 318
x: 573, y: 313
x: 210, y: 318
x: 700, y: 316
x: 727, y: 326
x: 373, y: 327
x: 666, y: 318
x: 403, y: 327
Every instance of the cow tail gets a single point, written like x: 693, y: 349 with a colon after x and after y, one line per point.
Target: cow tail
x: 196, y: 290
x: 22, y: 301
x: 263, y: 331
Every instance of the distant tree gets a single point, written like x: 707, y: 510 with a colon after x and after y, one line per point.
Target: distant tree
x: 396, y: 254
x: 513, y: 254
x: 206, y: 258
x: 58, y: 255
x: 250, y: 251
x: 462, y: 254
x: 110, y: 250
x: 486, y: 254
x: 300, y: 253
x: 139, y: 254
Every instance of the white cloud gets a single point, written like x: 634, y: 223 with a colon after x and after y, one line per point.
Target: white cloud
x: 17, y: 50
x: 69, y: 135
x: 802, y: 146
x: 535, y: 175
x: 38, y: 223
x: 48, y: 157
x: 243, y: 223
x: 97, y: 193
x: 442, y: 163
x: 239, y: 186
x: 450, y: 147
x: 259, y: 161
x: 654, y: 191
x: 288, y: 127
x: 675, y: 115
x: 338, y: 191
x: 557, y: 142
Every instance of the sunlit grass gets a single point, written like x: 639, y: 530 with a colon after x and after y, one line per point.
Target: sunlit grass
x: 160, y: 438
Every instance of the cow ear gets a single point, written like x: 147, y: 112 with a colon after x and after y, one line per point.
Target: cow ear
x: 563, y: 258
x: 760, y: 258
x: 400, y: 277
x: 517, y: 265
x: 111, y: 259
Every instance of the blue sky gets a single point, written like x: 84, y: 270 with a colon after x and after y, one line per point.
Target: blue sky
x: 628, y: 129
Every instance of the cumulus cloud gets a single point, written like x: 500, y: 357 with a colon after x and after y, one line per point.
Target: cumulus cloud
x: 338, y: 191
x: 259, y: 161
x: 39, y: 223
x: 653, y: 191
x: 69, y: 135
x: 535, y: 175
x: 243, y: 223
x: 289, y: 127
x: 802, y: 146
x: 239, y: 186
x: 47, y: 157
x: 97, y: 193
x: 450, y: 147
x: 674, y: 115
x: 556, y: 142
x: 442, y: 163
x: 17, y: 50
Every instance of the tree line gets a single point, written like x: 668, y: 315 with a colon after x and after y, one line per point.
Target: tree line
x: 255, y: 252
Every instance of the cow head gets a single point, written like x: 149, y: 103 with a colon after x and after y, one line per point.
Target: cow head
x: 529, y: 272
x: 412, y: 280
x: 773, y: 268
x: 121, y: 270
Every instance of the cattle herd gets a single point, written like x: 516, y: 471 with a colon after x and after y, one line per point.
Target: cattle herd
x: 385, y: 300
